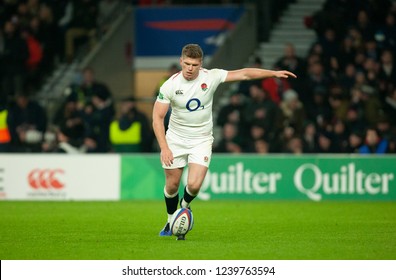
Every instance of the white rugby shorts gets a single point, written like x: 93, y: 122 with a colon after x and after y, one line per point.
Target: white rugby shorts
x: 189, y: 150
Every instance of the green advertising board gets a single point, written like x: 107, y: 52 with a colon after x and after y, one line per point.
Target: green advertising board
x: 286, y: 177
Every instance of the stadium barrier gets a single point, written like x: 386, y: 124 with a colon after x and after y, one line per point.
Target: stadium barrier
x: 59, y: 177
x: 249, y: 177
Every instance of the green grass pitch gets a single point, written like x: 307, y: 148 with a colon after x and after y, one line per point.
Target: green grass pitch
x: 223, y: 230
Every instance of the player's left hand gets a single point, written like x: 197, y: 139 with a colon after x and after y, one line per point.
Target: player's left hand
x: 284, y: 74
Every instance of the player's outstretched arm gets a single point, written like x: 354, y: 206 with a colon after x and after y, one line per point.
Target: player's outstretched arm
x: 256, y: 73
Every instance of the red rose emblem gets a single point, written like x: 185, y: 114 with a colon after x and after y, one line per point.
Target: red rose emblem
x: 204, y: 87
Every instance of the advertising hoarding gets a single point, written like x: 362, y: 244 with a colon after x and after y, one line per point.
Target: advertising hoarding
x: 59, y: 177
x: 316, y: 178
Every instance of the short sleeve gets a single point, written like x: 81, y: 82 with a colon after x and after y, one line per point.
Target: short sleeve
x: 164, y: 94
x: 219, y: 74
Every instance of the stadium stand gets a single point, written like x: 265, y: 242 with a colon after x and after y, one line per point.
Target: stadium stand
x: 346, y: 80
x: 342, y: 51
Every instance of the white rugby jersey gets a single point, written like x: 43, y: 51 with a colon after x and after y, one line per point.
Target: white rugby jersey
x: 191, y: 102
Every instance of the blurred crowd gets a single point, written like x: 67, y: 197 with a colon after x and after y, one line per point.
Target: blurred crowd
x: 86, y: 122
x: 344, y: 99
x: 36, y: 35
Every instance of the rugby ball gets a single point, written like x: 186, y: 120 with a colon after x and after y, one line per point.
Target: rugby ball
x: 182, y: 221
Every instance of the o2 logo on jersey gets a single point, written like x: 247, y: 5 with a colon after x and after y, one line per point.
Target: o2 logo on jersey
x: 194, y: 104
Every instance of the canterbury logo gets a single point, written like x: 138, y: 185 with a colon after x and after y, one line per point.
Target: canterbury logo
x: 46, y: 178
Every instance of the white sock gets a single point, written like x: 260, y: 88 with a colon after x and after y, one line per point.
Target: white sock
x: 169, y: 195
x: 184, y: 204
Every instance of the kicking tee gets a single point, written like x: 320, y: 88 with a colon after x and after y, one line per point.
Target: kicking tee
x: 191, y: 102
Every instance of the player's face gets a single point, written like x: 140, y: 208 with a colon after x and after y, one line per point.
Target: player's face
x: 190, y: 67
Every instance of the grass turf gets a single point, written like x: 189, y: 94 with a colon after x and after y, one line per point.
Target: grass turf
x: 223, y: 230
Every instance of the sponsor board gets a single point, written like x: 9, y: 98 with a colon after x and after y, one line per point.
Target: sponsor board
x: 2, y: 193
x: 316, y: 178
x: 59, y: 177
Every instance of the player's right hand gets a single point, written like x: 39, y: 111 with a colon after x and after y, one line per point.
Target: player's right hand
x: 167, y: 157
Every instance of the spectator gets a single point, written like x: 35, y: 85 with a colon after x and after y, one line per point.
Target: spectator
x: 280, y: 142
x: 15, y: 54
x: 309, y: 138
x: 257, y: 132
x: 392, y: 145
x: 294, y: 146
x: 390, y: 107
x: 230, y: 141
x: 315, y: 54
x: 317, y: 78
x: 233, y: 112
x: 357, y: 39
x: 98, y: 116
x: 347, y: 52
x: 291, y: 62
x: 47, y: 35
x: 387, y: 72
x: 329, y: 43
x: 66, y: 144
x: 374, y: 143
x: 386, y: 33
x: 355, y: 141
x: 320, y: 112
x: 261, y: 147
x: 260, y: 108
x: 347, y: 79
x: 5, y: 137
x: 69, y: 118
x: 384, y: 128
x: 365, y: 27
x: 372, y: 105
x: 355, y: 120
x: 64, y: 12
x: 360, y: 59
x: 371, y: 70
x: 33, y: 77
x: 334, y: 69
x: 22, y: 15
x: 325, y: 143
x: 335, y: 13
x: 275, y: 87
x: 84, y: 91
x: 339, y: 102
x: 340, y: 140
x: 82, y: 25
x: 292, y: 112
x: 378, y: 10
x: 27, y: 124
x: 33, y: 7
x: 371, y: 50
x: 131, y: 131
